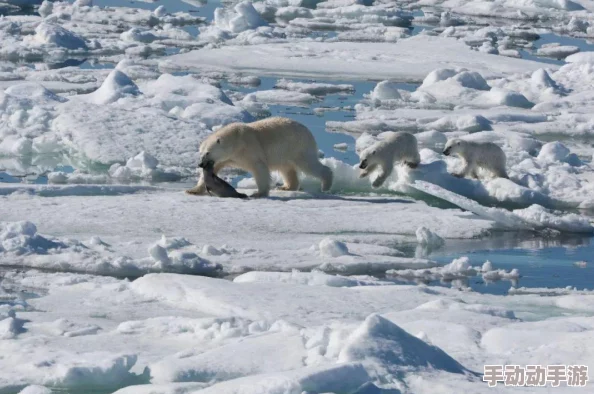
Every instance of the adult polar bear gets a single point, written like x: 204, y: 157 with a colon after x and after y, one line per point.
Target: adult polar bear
x: 273, y: 144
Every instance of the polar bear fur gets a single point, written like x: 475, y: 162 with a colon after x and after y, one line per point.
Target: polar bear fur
x: 486, y: 155
x: 273, y: 144
x: 396, y: 147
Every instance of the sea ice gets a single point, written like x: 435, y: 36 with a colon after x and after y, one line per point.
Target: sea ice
x: 408, y: 60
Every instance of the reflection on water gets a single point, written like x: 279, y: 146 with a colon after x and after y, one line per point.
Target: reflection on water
x: 542, y: 261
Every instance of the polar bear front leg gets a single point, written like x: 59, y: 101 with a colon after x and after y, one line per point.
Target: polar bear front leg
x: 383, y: 175
x: 367, y: 171
x: 262, y: 176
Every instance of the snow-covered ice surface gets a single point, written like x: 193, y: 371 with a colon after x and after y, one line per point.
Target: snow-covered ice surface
x: 180, y: 333
x: 405, y: 60
x: 114, y: 280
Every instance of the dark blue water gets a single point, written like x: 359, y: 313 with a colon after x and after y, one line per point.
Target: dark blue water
x: 538, y: 266
x: 550, y: 38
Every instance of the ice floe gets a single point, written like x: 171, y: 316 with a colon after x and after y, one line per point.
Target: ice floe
x: 406, y: 60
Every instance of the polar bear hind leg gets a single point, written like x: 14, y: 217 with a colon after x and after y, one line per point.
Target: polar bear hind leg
x: 311, y: 165
x: 500, y: 172
x: 290, y: 179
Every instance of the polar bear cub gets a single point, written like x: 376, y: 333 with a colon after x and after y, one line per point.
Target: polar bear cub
x: 486, y: 155
x: 396, y: 147
x: 273, y: 144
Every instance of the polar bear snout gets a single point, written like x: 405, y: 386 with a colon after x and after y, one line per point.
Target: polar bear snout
x: 447, y: 151
x: 363, y: 164
x: 206, y: 164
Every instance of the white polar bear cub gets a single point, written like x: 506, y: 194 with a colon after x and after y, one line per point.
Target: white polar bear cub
x: 259, y: 147
x: 485, y: 155
x: 396, y: 147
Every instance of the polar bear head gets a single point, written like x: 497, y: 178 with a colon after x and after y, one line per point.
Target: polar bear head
x: 455, y: 146
x: 369, y: 159
x: 219, y: 146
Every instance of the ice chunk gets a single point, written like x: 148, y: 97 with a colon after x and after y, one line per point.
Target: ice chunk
x: 378, y: 340
x: 160, y: 11
x: 497, y: 275
x: 343, y: 146
x: 143, y: 161
x: 314, y: 278
x: 34, y: 389
x: 116, y: 86
x: 437, y: 75
x: 533, y: 217
x: 287, y: 14
x: 159, y: 255
x: 386, y: 90
x: 281, y: 97
x: 553, y: 151
x: 541, y: 217
x: 48, y: 33
x: 209, y: 250
x: 541, y: 79
x: 114, y: 134
x: 471, y: 80
x: 97, y: 369
x: 46, y: 8
x: 557, y: 51
x: 136, y: 34
x: 498, y: 96
x: 428, y: 238
x: 582, y: 57
x: 430, y: 138
x: 243, y: 17
x: 332, y: 248
x: 406, y: 60
x: 317, y: 89
x: 566, y: 5
x: 458, y: 269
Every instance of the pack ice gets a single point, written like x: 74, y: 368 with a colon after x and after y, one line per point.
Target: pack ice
x: 113, y: 280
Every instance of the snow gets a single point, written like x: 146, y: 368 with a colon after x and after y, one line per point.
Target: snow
x: 270, y: 331
x: 211, y: 247
x: 405, y: 60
